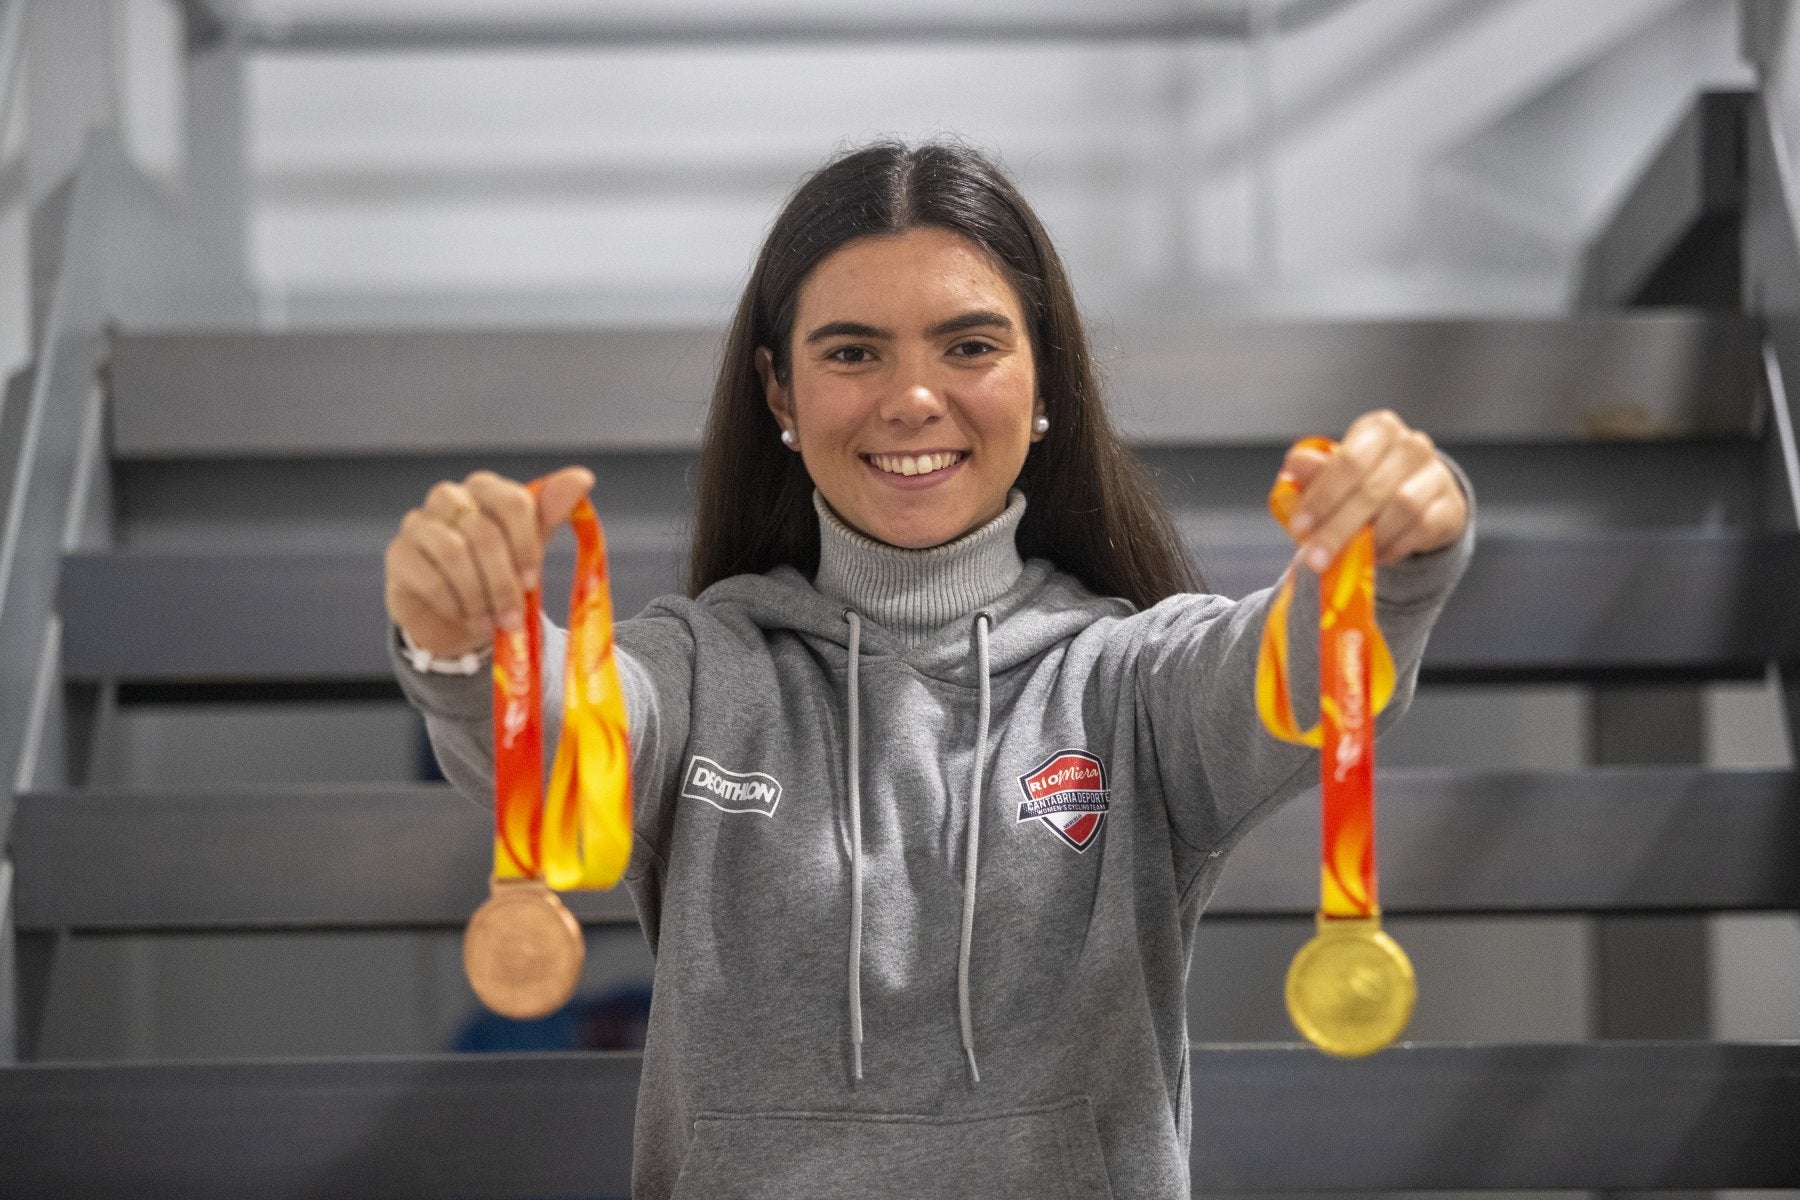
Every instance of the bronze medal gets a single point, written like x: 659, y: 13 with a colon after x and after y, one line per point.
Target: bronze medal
x: 523, y: 950
x: 1350, y: 990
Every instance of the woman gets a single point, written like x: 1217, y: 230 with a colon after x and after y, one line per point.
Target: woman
x: 934, y: 772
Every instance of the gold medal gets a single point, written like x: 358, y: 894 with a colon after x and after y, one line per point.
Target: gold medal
x: 523, y: 950
x: 1350, y: 990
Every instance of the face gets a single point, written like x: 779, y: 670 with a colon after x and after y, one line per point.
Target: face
x: 912, y: 389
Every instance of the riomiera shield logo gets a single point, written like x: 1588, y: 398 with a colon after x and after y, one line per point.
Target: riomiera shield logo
x: 1068, y: 793
x: 730, y: 791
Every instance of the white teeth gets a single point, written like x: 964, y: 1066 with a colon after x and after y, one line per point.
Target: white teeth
x: 908, y: 464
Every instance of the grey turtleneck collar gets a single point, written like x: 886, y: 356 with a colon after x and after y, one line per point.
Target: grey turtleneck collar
x: 914, y: 593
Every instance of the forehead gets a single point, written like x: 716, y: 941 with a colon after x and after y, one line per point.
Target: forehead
x: 896, y: 281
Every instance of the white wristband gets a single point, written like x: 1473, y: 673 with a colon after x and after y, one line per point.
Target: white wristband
x: 426, y: 663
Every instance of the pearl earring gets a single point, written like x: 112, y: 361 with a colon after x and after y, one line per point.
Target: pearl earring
x: 787, y: 438
x: 1041, y: 425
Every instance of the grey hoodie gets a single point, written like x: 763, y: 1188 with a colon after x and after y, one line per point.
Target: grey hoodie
x: 1031, y: 1043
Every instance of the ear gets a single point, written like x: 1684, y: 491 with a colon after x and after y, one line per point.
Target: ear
x: 774, y: 394
x: 1037, y: 410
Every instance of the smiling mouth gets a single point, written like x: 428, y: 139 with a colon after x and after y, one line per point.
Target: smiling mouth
x: 915, y: 464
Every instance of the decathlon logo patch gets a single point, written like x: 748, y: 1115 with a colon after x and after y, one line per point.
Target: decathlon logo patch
x: 1068, y: 793
x: 730, y: 791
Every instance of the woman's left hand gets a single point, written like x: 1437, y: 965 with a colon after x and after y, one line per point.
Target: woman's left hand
x: 1382, y: 473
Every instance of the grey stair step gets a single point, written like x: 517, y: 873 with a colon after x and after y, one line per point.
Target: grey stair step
x: 1617, y: 839
x: 1638, y: 603
x: 1266, y: 1118
x: 510, y: 391
x: 316, y: 857
x: 1218, y: 492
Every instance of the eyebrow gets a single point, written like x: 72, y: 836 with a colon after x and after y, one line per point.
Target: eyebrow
x: 833, y: 329
x: 979, y: 319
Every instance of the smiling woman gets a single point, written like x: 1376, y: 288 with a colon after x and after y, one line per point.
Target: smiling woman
x: 933, y: 767
x: 946, y: 231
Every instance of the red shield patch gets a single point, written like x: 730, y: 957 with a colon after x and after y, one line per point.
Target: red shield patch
x: 1068, y: 793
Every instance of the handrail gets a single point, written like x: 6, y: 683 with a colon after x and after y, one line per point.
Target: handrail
x: 57, y: 430
x: 1237, y: 22
x: 1784, y: 424
x: 1773, y: 375
x: 12, y: 49
x: 36, y: 516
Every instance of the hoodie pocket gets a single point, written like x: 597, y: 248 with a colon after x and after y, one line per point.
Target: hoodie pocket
x: 1030, y: 1154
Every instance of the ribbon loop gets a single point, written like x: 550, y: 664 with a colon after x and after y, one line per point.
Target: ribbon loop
x: 579, y: 834
x: 1350, y: 990
x: 1356, y: 682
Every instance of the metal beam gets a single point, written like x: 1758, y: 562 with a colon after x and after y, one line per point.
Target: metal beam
x: 1232, y: 20
x: 1687, y: 604
x: 1609, y: 1115
x: 433, y: 391
x: 1603, y: 841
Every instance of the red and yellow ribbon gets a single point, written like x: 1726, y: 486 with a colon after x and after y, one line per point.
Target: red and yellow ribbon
x: 579, y: 834
x: 1356, y: 681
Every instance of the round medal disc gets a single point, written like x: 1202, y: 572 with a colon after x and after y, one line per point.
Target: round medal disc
x: 1350, y: 990
x: 523, y: 950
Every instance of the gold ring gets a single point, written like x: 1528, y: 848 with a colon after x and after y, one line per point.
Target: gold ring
x: 466, y: 508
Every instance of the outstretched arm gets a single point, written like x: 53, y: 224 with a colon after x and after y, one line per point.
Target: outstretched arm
x: 1197, y: 672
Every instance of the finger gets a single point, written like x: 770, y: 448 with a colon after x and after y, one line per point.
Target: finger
x: 503, y: 593
x: 557, y: 498
x: 1441, y: 524
x: 423, y: 603
x: 1379, y: 453
x: 508, y: 505
x: 1364, y: 445
x: 1403, y: 513
x: 450, y: 503
x: 1358, y: 505
x: 1428, y: 512
x: 443, y: 549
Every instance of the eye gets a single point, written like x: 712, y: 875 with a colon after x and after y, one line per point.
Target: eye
x: 849, y: 355
x: 971, y: 349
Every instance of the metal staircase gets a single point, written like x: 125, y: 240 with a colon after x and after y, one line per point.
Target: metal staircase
x: 149, y: 559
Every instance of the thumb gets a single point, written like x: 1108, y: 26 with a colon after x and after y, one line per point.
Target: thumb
x: 558, y: 494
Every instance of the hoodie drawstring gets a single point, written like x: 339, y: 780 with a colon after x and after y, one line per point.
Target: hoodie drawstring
x: 971, y: 853
x: 971, y: 856
x: 856, y: 871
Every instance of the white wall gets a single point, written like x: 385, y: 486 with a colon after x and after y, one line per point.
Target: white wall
x: 1398, y: 156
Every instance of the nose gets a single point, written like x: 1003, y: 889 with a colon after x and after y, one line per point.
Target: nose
x: 914, y: 403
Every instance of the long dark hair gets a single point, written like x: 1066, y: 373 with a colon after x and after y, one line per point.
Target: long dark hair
x: 1092, y: 510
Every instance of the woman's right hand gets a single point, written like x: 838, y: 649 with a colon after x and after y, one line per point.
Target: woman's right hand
x: 464, y: 559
